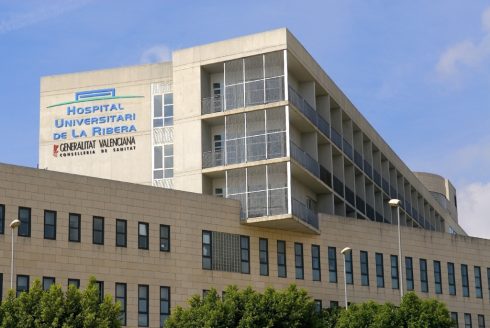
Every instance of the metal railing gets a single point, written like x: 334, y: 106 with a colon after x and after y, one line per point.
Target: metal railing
x: 262, y: 203
x: 247, y: 149
x: 305, y: 160
x: 304, y: 213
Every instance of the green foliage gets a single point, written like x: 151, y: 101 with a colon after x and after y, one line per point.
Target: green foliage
x: 53, y: 308
x: 291, y: 307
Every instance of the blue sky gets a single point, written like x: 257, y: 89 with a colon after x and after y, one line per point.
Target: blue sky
x: 418, y: 70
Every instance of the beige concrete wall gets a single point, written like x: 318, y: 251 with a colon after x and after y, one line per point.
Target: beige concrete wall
x: 188, y: 214
x: 129, y: 165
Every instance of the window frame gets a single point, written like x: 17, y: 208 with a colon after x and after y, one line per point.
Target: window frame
x: 316, y: 265
x: 424, y: 278
x: 332, y: 265
x: 465, y: 285
x: 264, y: 256
x: 395, y: 272
x: 478, y: 282
x: 467, y: 320
x: 299, y: 263
x: 144, y: 311
x: 364, y: 263
x: 73, y: 281
x: 143, y: 238
x: 209, y: 247
x: 46, y: 279
x: 451, y: 278
x: 2, y: 219
x: 162, y: 301
x: 245, y: 254
x: 124, y: 303
x: 78, y: 217
x: 29, y: 220
x: 46, y: 225
x: 17, y: 290
x: 95, y: 231
x: 380, y: 270
x: 437, y: 277
x: 124, y: 234
x: 167, y: 239
x: 100, y: 287
x: 282, y: 257
x: 409, y: 273
x: 481, y: 320
x: 349, y: 268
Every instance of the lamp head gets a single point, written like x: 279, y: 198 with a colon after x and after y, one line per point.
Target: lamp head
x: 14, y: 224
x: 394, y: 202
x: 346, y: 250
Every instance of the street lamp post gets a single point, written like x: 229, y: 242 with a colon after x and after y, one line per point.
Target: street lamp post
x: 396, y: 203
x: 14, y: 224
x: 344, y: 252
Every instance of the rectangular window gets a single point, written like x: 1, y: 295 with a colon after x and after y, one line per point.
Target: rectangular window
x: 332, y: 264
x: 478, y: 287
x: 465, y: 280
x: 164, y: 238
x: 334, y: 304
x: 143, y: 305
x: 2, y: 219
x: 143, y: 242
x: 318, y: 306
x: 424, y: 281
x: 298, y: 261
x: 488, y: 281
x: 264, y: 256
x: 121, y: 233
x: 98, y: 230
x: 364, y: 268
x: 24, y: 229
x: 437, y: 277
x: 245, y: 253
x: 121, y: 297
x: 395, y: 281
x: 380, y: 272
x: 315, y: 263
x: 451, y: 278
x: 207, y: 260
x: 349, y: 270
x: 100, y: 288
x: 481, y: 321
x: 454, y: 318
x: 409, y: 272
x: 164, y: 304
x: 467, y: 320
x: 281, y: 259
x: 74, y: 227
x: 1, y: 286
x: 47, y: 282
x: 74, y: 282
x: 49, y: 224
x: 22, y: 284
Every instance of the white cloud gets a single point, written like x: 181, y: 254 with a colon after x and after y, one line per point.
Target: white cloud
x: 465, y: 54
x: 41, y: 13
x: 156, y: 54
x: 474, y: 209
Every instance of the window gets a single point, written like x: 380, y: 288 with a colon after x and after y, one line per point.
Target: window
x: 49, y: 224
x: 207, y: 261
x: 163, y: 161
x: 409, y: 272
x: 121, y: 297
x: 205, y: 293
x: 364, y: 268
x: 464, y: 281
x: 467, y: 320
x: 163, y: 111
x: 245, y: 253
x: 318, y: 306
x: 143, y: 305
x: 164, y: 304
x: 24, y: 229
x: 2, y: 219
x: 315, y: 263
x: 100, y: 288
x: 332, y: 264
x: 481, y: 321
x: 380, y: 273
x: 349, y: 271
x: 395, y: 281
x: 334, y: 304
x: 488, y: 281
x: 22, y: 284
x: 143, y: 235
x: 98, y: 230
x: 478, y: 287
x: 74, y: 227
x: 47, y: 282
x: 454, y: 318
x: 424, y: 282
x: 451, y: 279
x: 164, y: 238
x: 264, y: 256
x: 1, y: 286
x: 281, y: 259
x: 74, y: 282
x: 218, y: 192
x: 121, y: 233
x: 437, y: 277
x: 298, y: 260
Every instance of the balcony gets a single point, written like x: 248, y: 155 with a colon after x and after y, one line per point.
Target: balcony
x: 250, y: 93
x: 247, y: 149
x: 304, y: 213
x: 305, y: 160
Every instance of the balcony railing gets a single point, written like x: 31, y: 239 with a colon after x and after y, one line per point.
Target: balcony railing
x: 338, y: 186
x: 262, y: 203
x: 304, y: 213
x: 247, y: 149
x: 325, y: 176
x: 246, y: 94
x: 336, y: 138
x: 349, y: 196
x: 305, y: 160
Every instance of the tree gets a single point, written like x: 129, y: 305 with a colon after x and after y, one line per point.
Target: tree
x: 53, y: 308
x: 291, y: 307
